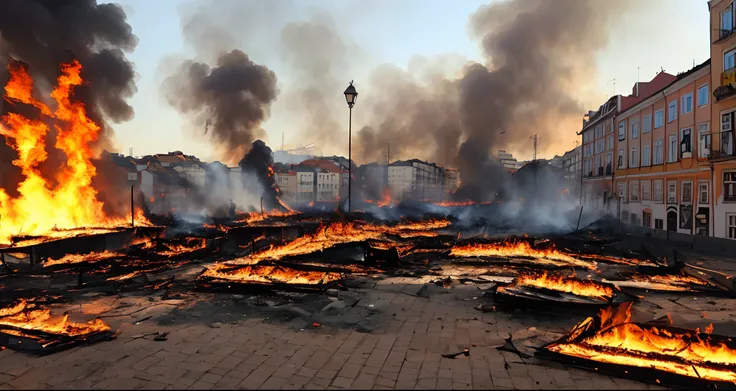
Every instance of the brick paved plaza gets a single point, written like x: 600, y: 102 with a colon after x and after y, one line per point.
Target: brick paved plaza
x: 402, y: 352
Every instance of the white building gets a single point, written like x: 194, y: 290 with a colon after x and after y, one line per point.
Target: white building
x: 417, y: 180
x: 509, y: 161
x: 328, y: 186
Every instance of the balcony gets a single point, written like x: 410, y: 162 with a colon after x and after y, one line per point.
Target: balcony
x: 727, y: 89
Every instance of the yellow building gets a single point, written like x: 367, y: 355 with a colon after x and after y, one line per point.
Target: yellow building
x: 723, y: 79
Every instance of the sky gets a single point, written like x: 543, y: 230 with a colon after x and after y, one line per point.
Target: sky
x: 393, y: 32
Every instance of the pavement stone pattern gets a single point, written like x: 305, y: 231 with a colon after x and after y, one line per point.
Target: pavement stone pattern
x: 404, y: 352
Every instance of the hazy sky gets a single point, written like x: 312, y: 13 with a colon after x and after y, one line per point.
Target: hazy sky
x: 392, y: 31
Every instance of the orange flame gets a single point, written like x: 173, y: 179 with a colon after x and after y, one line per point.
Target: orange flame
x: 519, y: 249
x: 263, y: 274
x: 73, y: 203
x: 20, y: 316
x: 565, y: 284
x: 612, y: 338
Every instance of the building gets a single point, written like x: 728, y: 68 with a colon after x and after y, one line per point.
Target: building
x: 600, y: 135
x: 662, y: 176
x: 287, y: 183
x: 164, y: 188
x: 416, y: 179
x: 723, y: 116
x: 572, y: 165
x: 509, y: 161
x: 452, y: 180
x: 597, y: 154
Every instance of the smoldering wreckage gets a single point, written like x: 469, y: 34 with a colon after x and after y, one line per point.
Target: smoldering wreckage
x: 57, y: 251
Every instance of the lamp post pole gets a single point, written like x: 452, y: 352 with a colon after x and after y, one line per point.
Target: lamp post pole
x: 350, y: 159
x: 350, y: 95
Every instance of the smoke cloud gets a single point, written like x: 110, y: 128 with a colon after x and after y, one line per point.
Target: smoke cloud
x: 258, y: 163
x: 44, y: 34
x: 536, y: 52
x: 228, y: 101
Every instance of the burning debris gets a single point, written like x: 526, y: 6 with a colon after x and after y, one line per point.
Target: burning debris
x: 542, y: 290
x: 265, y: 275
x: 25, y: 327
x: 522, y: 250
x: 610, y: 342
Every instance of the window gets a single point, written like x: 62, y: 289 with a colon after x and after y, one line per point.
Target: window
x: 622, y: 191
x: 727, y: 134
x: 658, y: 152
x: 687, y: 103
x: 588, y: 168
x: 687, y: 193
x: 609, y: 142
x: 599, y: 131
x: 645, y: 156
x: 634, y: 158
x: 671, y: 192
x: 728, y: 60
x: 597, y: 166
x: 610, y: 128
x: 646, y: 191
x: 703, y: 198
x: 731, y: 225
x: 672, y: 111
x: 635, y: 130
x: 672, y: 152
x: 685, y: 143
x: 646, y: 219
x: 729, y: 186
x: 658, y: 196
x: 727, y: 20
x: 658, y: 119
x: 609, y: 163
x: 599, y: 144
x: 658, y: 224
x: 621, y: 163
x: 621, y: 130
x: 586, y: 137
x: 646, y: 124
x: 703, y: 95
x: 634, y: 191
x: 703, y: 141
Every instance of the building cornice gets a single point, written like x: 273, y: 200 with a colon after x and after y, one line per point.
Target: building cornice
x: 675, y: 86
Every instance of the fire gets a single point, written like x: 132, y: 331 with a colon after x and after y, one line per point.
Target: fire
x: 21, y: 317
x: 565, y: 284
x: 254, y: 217
x: 264, y: 274
x: 336, y: 233
x: 669, y: 282
x: 518, y: 249
x: 454, y: 203
x: 71, y: 259
x: 613, y: 338
x: 73, y: 203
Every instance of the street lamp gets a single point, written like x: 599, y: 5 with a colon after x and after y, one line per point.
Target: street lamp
x: 350, y: 96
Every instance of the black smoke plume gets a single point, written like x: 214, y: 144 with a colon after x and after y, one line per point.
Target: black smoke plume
x: 46, y: 33
x: 536, y: 51
x: 228, y: 101
x: 258, y: 162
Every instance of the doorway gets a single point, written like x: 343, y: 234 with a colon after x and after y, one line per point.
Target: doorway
x: 672, y: 221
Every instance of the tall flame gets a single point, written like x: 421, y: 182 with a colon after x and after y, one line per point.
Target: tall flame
x: 71, y: 204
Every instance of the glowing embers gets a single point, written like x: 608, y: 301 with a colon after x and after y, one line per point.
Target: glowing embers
x: 612, y: 343
x: 664, y: 282
x: 23, y: 326
x: 340, y: 233
x: 544, y: 290
x: 265, y: 275
x: 521, y: 251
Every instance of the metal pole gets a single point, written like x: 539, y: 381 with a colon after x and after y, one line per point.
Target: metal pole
x: 350, y: 160
x: 132, y: 209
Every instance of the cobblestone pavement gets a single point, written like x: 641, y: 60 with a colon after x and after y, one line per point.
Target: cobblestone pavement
x: 403, y: 352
